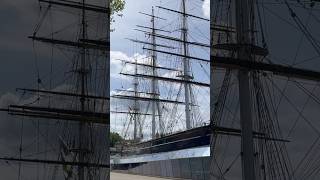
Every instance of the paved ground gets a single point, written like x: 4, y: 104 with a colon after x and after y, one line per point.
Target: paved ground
x: 118, y: 176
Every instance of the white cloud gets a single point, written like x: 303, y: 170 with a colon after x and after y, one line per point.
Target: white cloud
x: 206, y: 8
x: 117, y: 64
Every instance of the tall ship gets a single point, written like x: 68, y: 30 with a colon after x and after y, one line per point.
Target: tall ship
x: 162, y: 109
x: 162, y: 79
x: 64, y: 116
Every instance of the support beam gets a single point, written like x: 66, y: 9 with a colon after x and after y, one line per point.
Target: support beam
x: 94, y: 120
x: 179, y: 55
x: 146, y: 99
x: 77, y: 5
x: 168, y: 79
x: 280, y: 70
x: 152, y: 16
x: 125, y: 112
x: 151, y: 66
x: 53, y: 162
x: 148, y: 43
x: 56, y: 110
x: 62, y: 93
x: 176, y: 39
x: 183, y: 13
x: 95, y: 42
x: 223, y: 29
x: 145, y: 27
x: 139, y: 92
x: 70, y: 43
x: 233, y: 47
x: 55, y: 114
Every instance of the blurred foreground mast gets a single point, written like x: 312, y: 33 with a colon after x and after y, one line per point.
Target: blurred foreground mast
x: 243, y: 38
x: 87, y: 122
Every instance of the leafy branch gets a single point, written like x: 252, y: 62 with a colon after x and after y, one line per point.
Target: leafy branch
x: 116, y: 7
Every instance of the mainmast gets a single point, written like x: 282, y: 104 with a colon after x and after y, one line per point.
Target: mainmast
x: 186, y: 65
x: 153, y: 86
x: 243, y: 38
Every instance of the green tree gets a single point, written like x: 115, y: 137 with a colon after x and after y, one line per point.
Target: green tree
x: 115, y: 138
x: 116, y: 7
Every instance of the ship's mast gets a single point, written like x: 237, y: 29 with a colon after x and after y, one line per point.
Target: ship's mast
x: 243, y: 38
x: 136, y: 105
x: 82, y: 133
x: 154, y: 86
x: 107, y: 44
x: 186, y: 65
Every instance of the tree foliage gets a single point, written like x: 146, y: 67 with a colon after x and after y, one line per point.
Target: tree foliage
x: 115, y: 138
x: 116, y: 7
